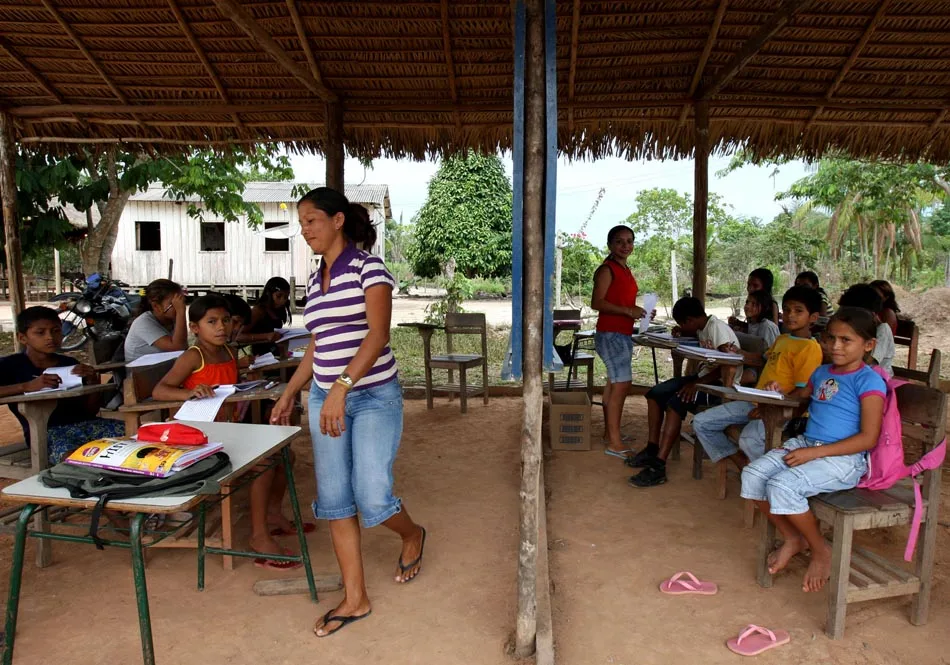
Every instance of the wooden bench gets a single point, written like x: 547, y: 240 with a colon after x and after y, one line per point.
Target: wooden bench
x: 930, y: 378
x: 858, y: 574
x: 908, y: 335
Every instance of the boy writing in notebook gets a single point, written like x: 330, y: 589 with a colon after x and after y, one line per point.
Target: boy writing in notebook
x: 790, y: 362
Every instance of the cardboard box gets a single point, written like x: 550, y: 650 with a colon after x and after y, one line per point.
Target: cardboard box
x: 570, y: 421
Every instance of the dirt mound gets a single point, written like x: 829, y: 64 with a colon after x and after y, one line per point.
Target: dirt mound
x: 929, y: 308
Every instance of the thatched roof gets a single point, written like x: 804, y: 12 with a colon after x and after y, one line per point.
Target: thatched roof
x: 419, y: 78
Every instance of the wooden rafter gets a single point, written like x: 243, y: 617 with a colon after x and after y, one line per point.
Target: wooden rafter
x: 449, y: 62
x: 748, y: 51
x: 41, y: 80
x: 246, y: 22
x: 852, y: 58
x: 572, y: 72
x: 212, y: 74
x: 304, y: 41
x: 704, y: 56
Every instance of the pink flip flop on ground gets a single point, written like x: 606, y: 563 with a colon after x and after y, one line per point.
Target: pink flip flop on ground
x: 754, y: 640
x: 678, y: 587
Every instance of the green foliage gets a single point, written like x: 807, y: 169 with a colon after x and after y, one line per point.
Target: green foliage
x: 466, y: 216
x: 457, y: 290
x: 398, y: 240
x: 579, y: 260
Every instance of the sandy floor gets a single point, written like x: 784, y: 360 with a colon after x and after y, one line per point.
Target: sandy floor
x: 462, y: 486
x: 611, y: 545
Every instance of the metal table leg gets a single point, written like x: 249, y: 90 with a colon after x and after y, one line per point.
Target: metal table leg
x: 656, y: 373
x: 16, y: 578
x: 298, y: 522
x: 141, y: 590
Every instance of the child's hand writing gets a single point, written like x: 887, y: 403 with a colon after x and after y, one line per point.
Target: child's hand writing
x: 201, y: 392
x: 801, y: 455
x: 706, y: 344
x: 42, y: 382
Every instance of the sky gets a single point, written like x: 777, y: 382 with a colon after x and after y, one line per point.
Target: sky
x: 750, y: 191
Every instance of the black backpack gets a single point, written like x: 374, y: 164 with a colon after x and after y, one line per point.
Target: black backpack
x: 84, y: 482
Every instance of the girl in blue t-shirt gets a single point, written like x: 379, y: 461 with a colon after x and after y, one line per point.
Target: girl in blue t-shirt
x: 846, y: 409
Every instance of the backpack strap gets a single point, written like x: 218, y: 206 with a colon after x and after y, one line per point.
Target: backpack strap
x: 931, y: 460
x: 94, y: 521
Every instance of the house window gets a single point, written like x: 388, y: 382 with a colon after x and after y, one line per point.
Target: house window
x: 148, y: 236
x: 212, y: 236
x: 275, y: 244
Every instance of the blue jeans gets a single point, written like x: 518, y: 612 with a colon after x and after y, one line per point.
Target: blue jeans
x: 355, y: 470
x: 616, y: 350
x: 787, y: 488
x: 710, y: 427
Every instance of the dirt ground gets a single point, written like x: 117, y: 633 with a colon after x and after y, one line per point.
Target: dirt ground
x: 459, y: 483
x: 611, y: 545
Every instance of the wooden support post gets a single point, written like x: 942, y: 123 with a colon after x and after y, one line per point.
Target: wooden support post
x: 700, y: 199
x: 293, y: 294
x: 11, y: 229
x: 533, y: 234
x: 334, y: 147
x: 57, y: 277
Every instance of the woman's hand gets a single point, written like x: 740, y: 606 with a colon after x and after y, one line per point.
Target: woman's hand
x: 178, y: 303
x: 283, y: 409
x: 799, y: 456
x: 636, y: 312
x: 42, y: 382
x: 333, y: 413
x: 202, y: 391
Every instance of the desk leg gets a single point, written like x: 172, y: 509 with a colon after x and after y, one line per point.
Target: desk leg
x: 298, y: 522
x: 37, y: 415
x: 202, y: 514
x: 774, y: 420
x: 141, y: 590
x: 656, y: 372
x: 16, y: 578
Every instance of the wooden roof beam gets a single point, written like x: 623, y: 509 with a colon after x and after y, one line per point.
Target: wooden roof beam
x: 768, y: 30
x: 246, y: 22
x: 304, y: 41
x: 41, y: 80
x: 704, y: 56
x: 575, y: 38
x: 449, y: 63
x: 852, y: 58
x: 190, y: 36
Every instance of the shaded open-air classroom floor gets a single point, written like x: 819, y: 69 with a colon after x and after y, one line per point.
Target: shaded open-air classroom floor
x: 459, y: 478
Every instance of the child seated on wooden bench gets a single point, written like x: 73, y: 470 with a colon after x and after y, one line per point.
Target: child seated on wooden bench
x: 669, y: 402
x: 75, y: 421
x: 846, y: 410
x: 790, y: 362
x: 209, y: 363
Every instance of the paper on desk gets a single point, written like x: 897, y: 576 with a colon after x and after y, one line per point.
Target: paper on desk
x: 264, y: 360
x: 771, y: 394
x: 206, y: 409
x: 153, y: 358
x: 649, y: 304
x: 298, y: 343
x: 292, y: 333
x: 67, y: 379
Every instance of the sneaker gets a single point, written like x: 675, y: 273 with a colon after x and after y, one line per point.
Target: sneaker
x: 644, y: 458
x: 651, y: 476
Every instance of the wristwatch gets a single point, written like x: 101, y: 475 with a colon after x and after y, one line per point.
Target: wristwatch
x: 345, y: 380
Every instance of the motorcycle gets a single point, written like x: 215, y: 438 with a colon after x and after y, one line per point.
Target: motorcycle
x: 101, y: 311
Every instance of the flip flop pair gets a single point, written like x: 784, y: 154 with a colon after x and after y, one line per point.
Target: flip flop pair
x: 676, y: 586
x: 329, y: 617
x: 271, y: 564
x: 755, y: 640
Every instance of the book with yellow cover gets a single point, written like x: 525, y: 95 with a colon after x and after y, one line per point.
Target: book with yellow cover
x: 150, y: 459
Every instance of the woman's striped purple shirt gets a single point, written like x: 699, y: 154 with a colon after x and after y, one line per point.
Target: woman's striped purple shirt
x: 337, y: 318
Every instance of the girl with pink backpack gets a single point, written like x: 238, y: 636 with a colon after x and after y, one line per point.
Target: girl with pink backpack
x: 845, y: 414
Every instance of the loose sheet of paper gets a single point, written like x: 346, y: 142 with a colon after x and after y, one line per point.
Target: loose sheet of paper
x: 67, y: 379
x: 771, y: 394
x: 292, y: 333
x: 206, y: 409
x: 264, y: 360
x: 154, y: 358
x: 649, y: 304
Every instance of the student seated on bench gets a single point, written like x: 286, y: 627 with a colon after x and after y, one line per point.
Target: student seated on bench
x: 74, y: 421
x: 211, y: 362
x: 790, y: 362
x: 668, y: 402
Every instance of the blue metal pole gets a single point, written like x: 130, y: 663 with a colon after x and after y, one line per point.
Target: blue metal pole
x: 550, y: 175
x: 517, y: 204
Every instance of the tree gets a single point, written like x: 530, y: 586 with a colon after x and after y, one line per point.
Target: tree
x: 466, y: 216
x: 579, y: 260
x: 398, y: 240
x: 107, y: 180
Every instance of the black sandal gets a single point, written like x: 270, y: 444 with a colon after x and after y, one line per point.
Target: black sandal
x: 343, y: 621
x: 404, y: 568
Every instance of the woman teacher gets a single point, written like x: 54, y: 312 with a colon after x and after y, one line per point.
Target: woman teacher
x: 615, y: 299
x: 355, y: 399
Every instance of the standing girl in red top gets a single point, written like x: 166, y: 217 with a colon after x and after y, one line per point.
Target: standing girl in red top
x: 196, y: 373
x: 615, y: 298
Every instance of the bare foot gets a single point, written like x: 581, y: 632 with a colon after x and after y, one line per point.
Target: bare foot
x: 344, y: 609
x: 779, y: 558
x: 276, y: 520
x: 411, y: 551
x: 819, y: 570
x: 265, y: 545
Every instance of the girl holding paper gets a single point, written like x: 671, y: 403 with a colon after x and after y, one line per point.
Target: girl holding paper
x: 615, y: 298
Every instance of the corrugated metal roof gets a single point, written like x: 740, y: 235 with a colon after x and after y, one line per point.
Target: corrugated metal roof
x: 282, y: 192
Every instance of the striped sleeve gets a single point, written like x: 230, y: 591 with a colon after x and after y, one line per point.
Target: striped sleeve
x: 374, y: 272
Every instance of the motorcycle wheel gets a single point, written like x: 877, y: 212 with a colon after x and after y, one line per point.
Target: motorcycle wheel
x: 75, y: 333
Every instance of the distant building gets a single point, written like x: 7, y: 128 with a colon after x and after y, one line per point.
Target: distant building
x: 155, y: 228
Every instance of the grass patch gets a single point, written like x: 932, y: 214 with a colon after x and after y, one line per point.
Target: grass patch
x: 6, y: 343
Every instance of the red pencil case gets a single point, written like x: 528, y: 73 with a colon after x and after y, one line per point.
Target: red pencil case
x: 175, y: 434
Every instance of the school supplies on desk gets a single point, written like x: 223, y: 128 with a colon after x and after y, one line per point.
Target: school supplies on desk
x: 292, y: 333
x: 709, y: 354
x: 173, y: 434
x: 67, y: 379
x: 248, y: 385
x: 140, y: 457
x: 263, y: 361
x: 153, y: 359
x: 771, y: 394
x: 206, y: 408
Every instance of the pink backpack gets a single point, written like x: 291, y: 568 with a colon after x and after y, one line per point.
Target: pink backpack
x: 886, y: 459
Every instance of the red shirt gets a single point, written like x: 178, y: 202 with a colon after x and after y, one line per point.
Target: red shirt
x: 622, y: 292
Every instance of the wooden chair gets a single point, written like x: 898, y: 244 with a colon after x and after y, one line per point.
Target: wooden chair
x: 908, y: 335
x: 137, y: 392
x: 458, y: 324
x: 858, y: 574
x: 930, y: 378
x: 577, y: 355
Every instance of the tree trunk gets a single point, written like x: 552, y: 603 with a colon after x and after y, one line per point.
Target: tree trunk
x: 97, y: 250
